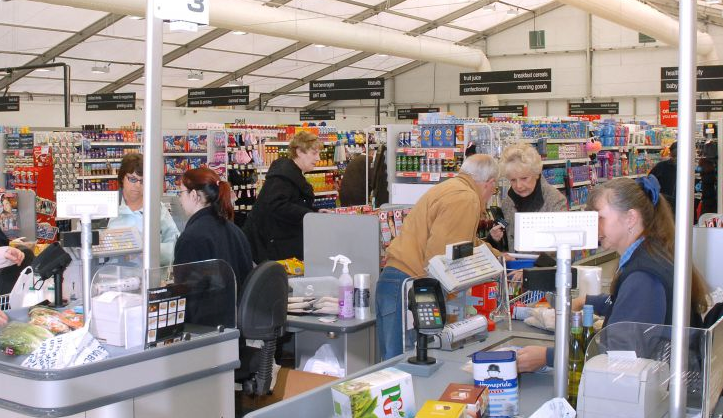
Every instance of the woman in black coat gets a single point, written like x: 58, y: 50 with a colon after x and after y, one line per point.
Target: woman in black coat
x: 210, y: 234
x: 275, y: 225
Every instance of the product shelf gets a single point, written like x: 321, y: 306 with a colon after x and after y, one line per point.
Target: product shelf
x: 99, y: 160
x: 416, y: 151
x: 266, y: 169
x: 651, y: 147
x: 327, y: 193
x: 185, y: 154
x: 575, y: 184
x: 113, y: 144
x: 417, y: 174
x: 614, y: 148
x: 244, y: 187
x: 102, y: 176
x: 566, y: 140
x: 286, y: 143
x: 563, y: 161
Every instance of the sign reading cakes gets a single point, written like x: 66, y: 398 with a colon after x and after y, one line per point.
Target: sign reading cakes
x: 347, y: 89
x: 538, y: 80
x: 317, y: 115
x: 708, y: 78
x: 600, y: 108
x: 222, y: 96
x: 701, y: 105
x: 110, y: 101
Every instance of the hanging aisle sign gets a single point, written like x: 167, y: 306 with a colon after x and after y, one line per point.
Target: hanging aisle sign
x: 110, y: 101
x: 222, y: 96
x: 195, y: 11
x: 317, y: 114
x: 701, y: 105
x: 347, y: 89
x: 606, y: 108
x: 10, y: 104
x: 537, y: 80
x: 413, y: 113
x: 708, y: 78
x: 489, y: 111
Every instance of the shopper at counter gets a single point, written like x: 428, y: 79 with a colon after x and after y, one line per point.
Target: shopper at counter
x: 9, y: 275
x: 210, y: 232
x: 666, y: 172
x: 521, y: 164
x: 130, y: 211
x: 449, y: 212
x: 275, y: 225
x: 636, y: 221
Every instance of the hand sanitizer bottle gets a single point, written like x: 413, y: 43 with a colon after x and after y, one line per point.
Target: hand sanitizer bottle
x: 346, y: 288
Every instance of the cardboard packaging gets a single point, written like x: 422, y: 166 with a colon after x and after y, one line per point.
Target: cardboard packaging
x: 117, y: 318
x: 385, y: 393
x: 439, y: 409
x: 475, y: 398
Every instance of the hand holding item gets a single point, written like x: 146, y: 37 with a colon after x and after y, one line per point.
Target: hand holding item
x: 497, y: 232
x: 12, y: 255
x: 3, y: 319
x: 531, y: 358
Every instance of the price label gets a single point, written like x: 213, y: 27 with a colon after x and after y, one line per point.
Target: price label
x: 195, y: 11
x: 429, y: 177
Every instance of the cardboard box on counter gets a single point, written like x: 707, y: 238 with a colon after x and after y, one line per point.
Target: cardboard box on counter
x: 475, y: 398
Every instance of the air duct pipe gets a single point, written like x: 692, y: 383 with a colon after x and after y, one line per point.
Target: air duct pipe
x: 254, y: 17
x: 640, y: 17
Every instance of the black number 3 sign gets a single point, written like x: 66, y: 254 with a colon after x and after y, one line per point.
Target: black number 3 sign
x: 196, y: 6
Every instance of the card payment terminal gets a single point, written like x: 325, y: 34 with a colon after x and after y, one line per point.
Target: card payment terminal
x: 426, y: 301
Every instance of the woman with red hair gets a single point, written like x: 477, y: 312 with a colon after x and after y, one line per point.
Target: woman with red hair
x: 210, y: 232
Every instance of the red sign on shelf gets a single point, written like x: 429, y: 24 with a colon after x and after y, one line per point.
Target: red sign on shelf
x: 667, y: 118
x: 430, y: 177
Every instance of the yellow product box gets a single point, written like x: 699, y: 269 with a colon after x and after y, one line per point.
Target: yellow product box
x: 439, y: 409
x: 475, y: 398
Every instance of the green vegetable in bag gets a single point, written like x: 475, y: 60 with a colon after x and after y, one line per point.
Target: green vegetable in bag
x: 18, y: 338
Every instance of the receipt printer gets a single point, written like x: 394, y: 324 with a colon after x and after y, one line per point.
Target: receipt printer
x: 623, y: 388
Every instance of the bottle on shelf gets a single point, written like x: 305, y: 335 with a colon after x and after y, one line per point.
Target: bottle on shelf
x: 576, y: 359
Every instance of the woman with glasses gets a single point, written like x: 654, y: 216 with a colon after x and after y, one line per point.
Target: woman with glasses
x: 130, y: 211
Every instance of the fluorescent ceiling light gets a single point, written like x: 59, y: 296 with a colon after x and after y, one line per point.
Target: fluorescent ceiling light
x: 513, y: 12
x: 100, y: 69
x: 383, y: 55
x: 45, y: 70
x: 712, y: 1
x: 490, y: 7
x: 235, y: 83
x: 319, y: 46
x: 135, y: 17
x: 195, y: 76
x: 239, y: 32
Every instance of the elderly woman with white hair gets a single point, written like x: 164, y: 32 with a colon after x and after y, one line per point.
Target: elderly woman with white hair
x: 529, y: 192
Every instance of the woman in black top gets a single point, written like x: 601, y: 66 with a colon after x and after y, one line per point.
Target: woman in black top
x: 210, y: 234
x: 275, y: 225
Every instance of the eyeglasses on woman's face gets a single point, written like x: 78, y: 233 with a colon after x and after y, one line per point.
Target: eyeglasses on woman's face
x: 134, y: 179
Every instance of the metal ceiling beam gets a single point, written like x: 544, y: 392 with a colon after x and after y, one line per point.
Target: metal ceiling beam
x: 371, y: 11
x: 276, y: 3
x: 62, y: 47
x: 467, y: 41
x: 169, y: 57
x: 181, y: 101
x: 451, y: 17
x: 390, y: 74
x: 311, y: 77
x: 522, y: 18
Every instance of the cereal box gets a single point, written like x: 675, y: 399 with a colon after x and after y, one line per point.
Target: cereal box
x: 385, y: 393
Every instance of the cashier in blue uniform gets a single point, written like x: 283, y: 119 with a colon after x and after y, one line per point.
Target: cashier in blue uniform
x: 636, y: 221
x: 130, y: 211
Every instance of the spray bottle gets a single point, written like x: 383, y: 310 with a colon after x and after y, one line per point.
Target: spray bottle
x: 346, y: 288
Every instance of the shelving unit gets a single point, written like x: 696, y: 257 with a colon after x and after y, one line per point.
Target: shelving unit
x: 564, y: 161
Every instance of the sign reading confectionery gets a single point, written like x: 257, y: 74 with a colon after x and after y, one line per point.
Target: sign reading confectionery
x: 221, y: 96
x: 600, y: 108
x: 701, y: 105
x: 413, y: 113
x: 347, y: 89
x: 110, y: 101
x: 489, y: 111
x: 9, y: 103
x: 708, y: 78
x: 537, y: 80
x: 317, y: 115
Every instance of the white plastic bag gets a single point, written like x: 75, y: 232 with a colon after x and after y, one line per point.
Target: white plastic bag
x: 23, y: 293
x: 65, y: 350
x: 324, y: 362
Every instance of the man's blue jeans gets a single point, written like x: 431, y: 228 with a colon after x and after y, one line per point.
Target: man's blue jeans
x: 389, y: 312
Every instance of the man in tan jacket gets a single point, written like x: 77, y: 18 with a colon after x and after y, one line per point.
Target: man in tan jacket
x: 449, y: 212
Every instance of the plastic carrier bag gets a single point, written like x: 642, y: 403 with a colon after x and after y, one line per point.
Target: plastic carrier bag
x: 66, y: 350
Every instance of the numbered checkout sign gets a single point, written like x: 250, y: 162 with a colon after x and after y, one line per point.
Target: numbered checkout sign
x: 195, y: 11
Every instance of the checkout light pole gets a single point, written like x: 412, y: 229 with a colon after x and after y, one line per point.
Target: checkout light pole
x: 152, y: 152
x: 683, y: 206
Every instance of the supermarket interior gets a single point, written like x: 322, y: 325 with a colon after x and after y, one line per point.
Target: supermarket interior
x: 361, y: 208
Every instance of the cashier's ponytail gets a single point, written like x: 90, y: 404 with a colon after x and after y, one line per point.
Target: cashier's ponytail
x: 216, y: 191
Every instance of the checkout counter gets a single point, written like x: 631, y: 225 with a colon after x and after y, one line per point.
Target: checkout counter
x: 167, y: 370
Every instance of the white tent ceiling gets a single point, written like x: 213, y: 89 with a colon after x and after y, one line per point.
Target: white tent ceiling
x: 31, y: 31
